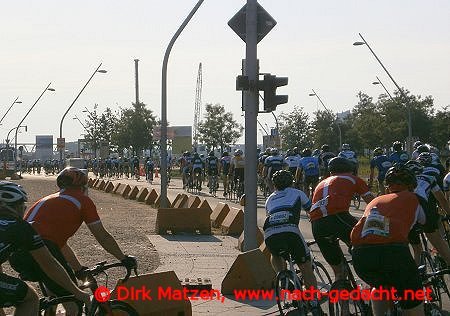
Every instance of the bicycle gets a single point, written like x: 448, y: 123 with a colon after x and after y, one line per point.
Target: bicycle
x: 445, y: 228
x: 356, y: 201
x: 109, y: 307
x: 213, y: 185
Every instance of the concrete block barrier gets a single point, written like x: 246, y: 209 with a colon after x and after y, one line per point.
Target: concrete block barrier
x: 176, y: 199
x: 250, y: 270
x: 142, y: 194
x: 95, y: 183
x: 233, y: 224
x: 176, y: 220
x: 259, y: 238
x: 157, y: 203
x: 90, y: 182
x: 193, y: 201
x: 182, y: 202
x: 133, y: 193
x: 151, y: 197
x: 205, y: 204
x: 116, y: 187
x: 125, y: 191
x: 100, y: 185
x: 109, y: 187
x: 218, y: 214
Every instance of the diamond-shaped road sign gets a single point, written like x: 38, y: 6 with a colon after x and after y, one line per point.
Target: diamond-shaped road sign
x: 264, y: 22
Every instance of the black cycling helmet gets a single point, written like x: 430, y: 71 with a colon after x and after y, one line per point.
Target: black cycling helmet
x: 425, y: 158
x: 340, y: 165
x: 225, y: 153
x: 12, y: 193
x: 71, y: 177
x: 306, y: 152
x: 397, y: 146
x: 423, y: 149
x: 400, y: 174
x: 211, y: 153
x: 377, y: 151
x: 325, y: 147
x: 417, y: 144
x: 414, y: 166
x: 282, y: 179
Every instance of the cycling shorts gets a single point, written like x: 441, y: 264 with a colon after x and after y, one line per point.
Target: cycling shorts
x: 310, y: 181
x: 12, y: 290
x: 198, y: 170
x: 389, y: 265
x: 325, y: 231
x: 291, y: 242
x: 29, y: 269
x: 213, y: 171
x: 293, y: 170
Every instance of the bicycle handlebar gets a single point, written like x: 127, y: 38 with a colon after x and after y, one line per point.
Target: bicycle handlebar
x: 103, y: 266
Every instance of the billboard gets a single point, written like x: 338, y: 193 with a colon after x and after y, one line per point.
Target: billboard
x: 181, y: 137
x: 44, y: 147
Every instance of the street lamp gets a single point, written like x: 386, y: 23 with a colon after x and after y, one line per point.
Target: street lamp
x: 23, y: 119
x: 364, y: 42
x: 15, y: 102
x: 379, y: 82
x: 314, y: 94
x: 61, y: 148
x: 15, y: 127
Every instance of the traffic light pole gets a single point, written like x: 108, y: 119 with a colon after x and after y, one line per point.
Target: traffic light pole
x: 251, y: 113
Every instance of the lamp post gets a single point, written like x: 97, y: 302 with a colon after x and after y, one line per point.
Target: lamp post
x: 379, y: 82
x: 7, y: 111
x: 23, y: 119
x: 402, y: 93
x: 15, y: 127
x: 86, y: 110
x: 314, y: 94
x: 61, y: 149
x: 163, y: 141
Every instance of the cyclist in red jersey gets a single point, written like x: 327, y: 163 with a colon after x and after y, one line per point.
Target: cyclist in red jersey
x: 56, y: 218
x: 330, y: 218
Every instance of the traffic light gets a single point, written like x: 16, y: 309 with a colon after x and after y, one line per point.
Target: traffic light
x: 269, y: 85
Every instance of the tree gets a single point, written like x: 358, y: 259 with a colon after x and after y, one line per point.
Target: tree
x: 134, y: 128
x: 295, y: 129
x: 325, y: 130
x: 440, y: 128
x: 100, y: 128
x: 218, y: 129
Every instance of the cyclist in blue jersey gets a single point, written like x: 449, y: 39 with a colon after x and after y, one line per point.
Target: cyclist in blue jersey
x: 212, y: 169
x: 416, y: 153
x: 291, y: 160
x: 149, y: 168
x: 351, y: 156
x: 382, y: 163
x: 399, y: 155
x: 308, y: 171
x: 225, y: 169
x: 272, y: 164
x: 198, y: 167
x: 324, y: 158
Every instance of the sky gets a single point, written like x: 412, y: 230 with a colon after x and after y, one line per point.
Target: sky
x: 63, y: 42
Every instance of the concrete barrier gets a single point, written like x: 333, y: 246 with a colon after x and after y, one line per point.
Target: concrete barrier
x: 176, y: 199
x: 182, y: 202
x: 259, y: 238
x: 142, y: 194
x: 187, y: 220
x: 133, y: 193
x: 109, y: 187
x: 164, y: 287
x: 116, y: 187
x: 205, y: 204
x: 100, y: 185
x: 157, y: 203
x: 265, y: 250
x: 151, y: 197
x: 95, y: 182
x: 218, y: 214
x: 125, y: 191
x: 193, y: 201
x: 233, y: 224
x: 250, y: 270
x: 90, y: 182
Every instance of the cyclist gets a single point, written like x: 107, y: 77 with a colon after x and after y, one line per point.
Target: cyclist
x: 135, y: 163
x: 330, y: 218
x: 350, y: 155
x: 149, y: 169
x: 416, y: 153
x: 17, y: 235
x: 272, y: 164
x: 237, y: 167
x: 381, y: 255
x: 429, y: 194
x: 225, y: 169
x: 308, y: 171
x: 382, y: 163
x: 399, y: 155
x: 212, y: 168
x: 324, y: 158
x: 281, y: 228
x: 185, y: 168
x: 56, y: 218
x: 197, y: 170
x: 291, y: 160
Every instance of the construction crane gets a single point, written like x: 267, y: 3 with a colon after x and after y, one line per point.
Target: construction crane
x: 198, y: 106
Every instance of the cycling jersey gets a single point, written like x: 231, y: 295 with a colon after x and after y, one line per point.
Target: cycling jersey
x: 291, y: 161
x: 237, y: 162
x: 197, y: 163
x: 283, y: 211
x: 225, y: 162
x: 273, y: 164
x: 446, y: 184
x: 212, y: 164
x: 388, y: 219
x: 325, y: 157
x: 334, y: 194
x: 426, y: 184
x: 349, y: 154
x: 58, y: 216
x: 399, y: 157
x: 382, y: 163
x: 310, y: 166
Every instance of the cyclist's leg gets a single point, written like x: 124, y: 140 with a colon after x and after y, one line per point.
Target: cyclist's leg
x: 431, y: 229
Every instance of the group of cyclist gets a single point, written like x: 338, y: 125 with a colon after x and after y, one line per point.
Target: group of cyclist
x: 381, y: 238
x: 35, y: 242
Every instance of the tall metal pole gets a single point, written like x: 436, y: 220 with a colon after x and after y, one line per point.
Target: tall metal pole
x: 23, y: 119
x: 7, y: 111
x: 163, y: 143
x: 387, y: 91
x: 136, y: 71
x: 251, y: 113
x: 61, y: 150
x: 402, y: 93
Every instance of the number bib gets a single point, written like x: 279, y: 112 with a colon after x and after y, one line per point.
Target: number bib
x: 376, y: 224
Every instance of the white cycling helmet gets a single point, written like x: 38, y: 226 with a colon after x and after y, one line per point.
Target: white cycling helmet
x: 11, y: 193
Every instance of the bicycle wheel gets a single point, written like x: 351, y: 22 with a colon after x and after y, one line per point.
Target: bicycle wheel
x: 322, y: 276
x: 433, y: 309
x: 430, y: 266
x: 356, y: 201
x: 285, y: 295
x: 338, y: 307
x: 117, y: 308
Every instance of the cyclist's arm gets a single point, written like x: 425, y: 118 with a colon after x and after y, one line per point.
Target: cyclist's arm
x: 105, y: 239
x: 56, y: 272
x: 71, y: 258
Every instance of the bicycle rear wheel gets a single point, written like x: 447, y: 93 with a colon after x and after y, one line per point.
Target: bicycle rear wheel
x: 344, y: 307
x: 322, y: 276
x: 117, y: 308
x: 285, y: 295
